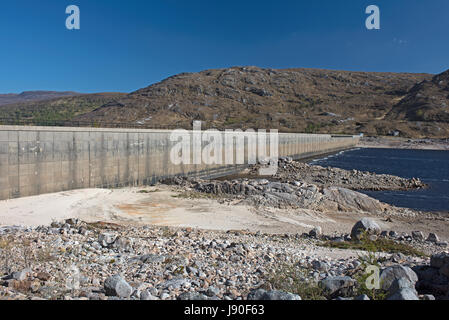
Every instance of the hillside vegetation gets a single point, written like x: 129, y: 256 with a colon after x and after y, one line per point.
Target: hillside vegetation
x: 59, y: 109
x: 291, y: 100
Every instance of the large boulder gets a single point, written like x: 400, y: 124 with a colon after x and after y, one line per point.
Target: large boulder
x: 394, y: 273
x: 261, y: 294
x: 433, y: 238
x: 348, y: 200
x: 365, y: 226
x: 444, y: 270
x: 431, y: 281
x: 404, y: 294
x: 439, y: 260
x: 334, y: 286
x: 117, y: 286
x: 399, y: 284
x: 122, y: 244
x: 435, y: 278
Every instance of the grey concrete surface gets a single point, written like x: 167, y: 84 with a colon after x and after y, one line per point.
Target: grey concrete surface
x: 38, y: 160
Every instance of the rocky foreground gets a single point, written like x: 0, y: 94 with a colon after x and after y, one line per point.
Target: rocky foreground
x: 73, y: 260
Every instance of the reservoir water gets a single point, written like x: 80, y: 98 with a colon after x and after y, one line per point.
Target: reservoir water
x: 431, y: 166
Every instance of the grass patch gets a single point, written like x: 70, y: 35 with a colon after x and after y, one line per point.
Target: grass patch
x: 293, y: 278
x: 364, y: 277
x: 379, y: 245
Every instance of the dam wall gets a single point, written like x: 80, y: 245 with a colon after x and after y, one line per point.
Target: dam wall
x: 38, y: 160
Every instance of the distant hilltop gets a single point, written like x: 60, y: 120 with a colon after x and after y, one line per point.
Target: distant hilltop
x: 25, y: 96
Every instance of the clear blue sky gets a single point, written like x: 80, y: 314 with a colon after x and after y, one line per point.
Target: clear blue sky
x: 126, y: 45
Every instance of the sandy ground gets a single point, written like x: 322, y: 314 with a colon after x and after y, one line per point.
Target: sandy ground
x: 160, y: 207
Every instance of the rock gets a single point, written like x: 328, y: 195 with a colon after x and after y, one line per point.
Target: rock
x: 315, y: 232
x: 212, y: 291
x: 433, y: 238
x: 193, y: 296
x: 431, y: 281
x: 367, y: 226
x: 404, y: 294
x: 95, y: 282
x: 175, y: 283
x: 147, y: 296
x: 320, y: 266
x: 349, y: 200
x: 341, y: 285
x: 106, y: 239
x: 43, y: 276
x: 20, y: 285
x: 398, y: 257
x: 164, y: 296
x: 428, y: 297
x: 83, y: 231
x: 444, y: 270
x: 439, y: 260
x: 192, y: 270
x: 21, y: 275
x: 418, y: 236
x: 73, y: 221
x: 343, y: 299
x: 362, y: 297
x: 153, y: 258
x: 261, y: 294
x: 399, y: 284
x: 393, y: 234
x: 96, y: 245
x: 35, y: 285
x: 117, y: 286
x: 122, y: 244
x: 390, y: 274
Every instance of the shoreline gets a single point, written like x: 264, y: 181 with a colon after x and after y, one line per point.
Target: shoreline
x: 404, y: 143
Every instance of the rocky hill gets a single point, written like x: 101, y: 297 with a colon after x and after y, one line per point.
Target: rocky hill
x: 302, y: 100
x: 427, y: 101
x: 291, y: 100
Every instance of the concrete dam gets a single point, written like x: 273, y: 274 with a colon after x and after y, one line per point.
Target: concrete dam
x: 38, y: 160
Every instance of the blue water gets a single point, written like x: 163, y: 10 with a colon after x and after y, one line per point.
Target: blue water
x: 432, y: 167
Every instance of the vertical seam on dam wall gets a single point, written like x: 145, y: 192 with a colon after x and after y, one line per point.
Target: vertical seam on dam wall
x: 36, y: 160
